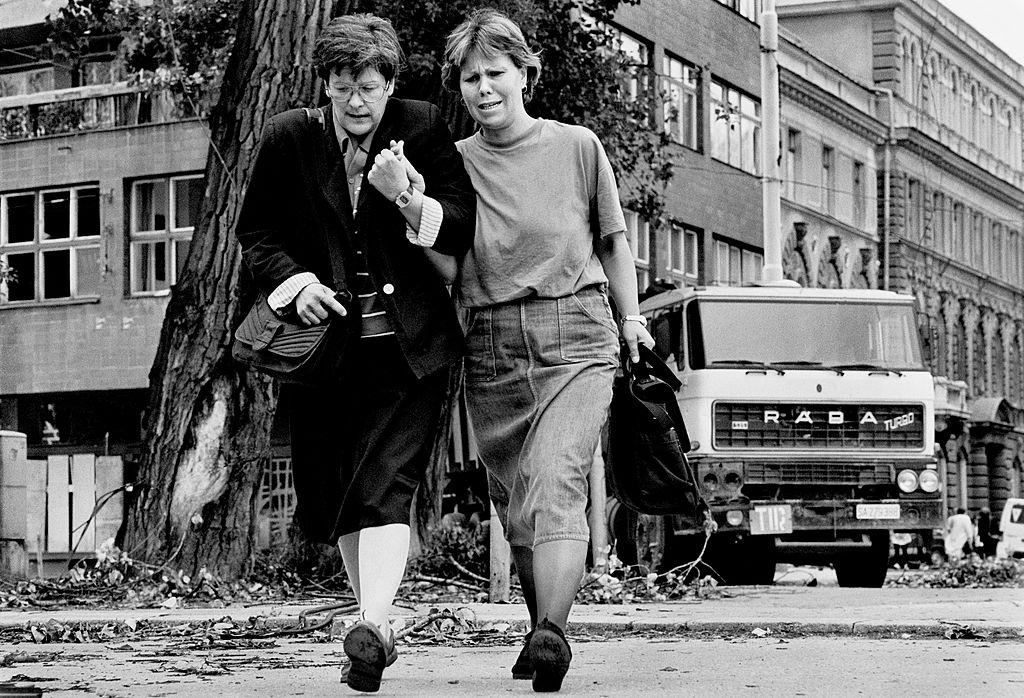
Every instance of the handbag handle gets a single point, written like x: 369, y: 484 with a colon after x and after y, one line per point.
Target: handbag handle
x: 650, y: 364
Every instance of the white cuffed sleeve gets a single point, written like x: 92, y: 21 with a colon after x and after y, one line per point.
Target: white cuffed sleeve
x: 289, y: 288
x: 431, y: 215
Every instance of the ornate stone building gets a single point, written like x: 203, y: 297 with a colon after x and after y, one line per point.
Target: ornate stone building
x: 950, y: 220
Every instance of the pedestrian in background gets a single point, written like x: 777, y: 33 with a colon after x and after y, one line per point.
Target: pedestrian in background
x: 360, y: 445
x: 988, y: 533
x: 542, y: 341
x: 959, y: 536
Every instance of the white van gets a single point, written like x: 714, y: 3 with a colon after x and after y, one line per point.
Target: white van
x: 1011, y: 524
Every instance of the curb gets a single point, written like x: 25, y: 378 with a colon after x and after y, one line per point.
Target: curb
x: 581, y: 628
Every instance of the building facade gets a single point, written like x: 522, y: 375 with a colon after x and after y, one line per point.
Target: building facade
x: 704, y: 55
x: 950, y: 213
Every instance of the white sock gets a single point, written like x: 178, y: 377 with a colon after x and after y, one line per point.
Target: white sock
x: 384, y: 551
x: 348, y: 544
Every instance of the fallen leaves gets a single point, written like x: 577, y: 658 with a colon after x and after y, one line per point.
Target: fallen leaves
x: 969, y: 572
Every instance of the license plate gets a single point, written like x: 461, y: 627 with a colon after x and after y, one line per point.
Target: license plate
x: 878, y: 511
x: 776, y: 518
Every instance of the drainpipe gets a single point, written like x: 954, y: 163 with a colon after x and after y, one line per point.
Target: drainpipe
x: 771, y: 183
x: 887, y: 186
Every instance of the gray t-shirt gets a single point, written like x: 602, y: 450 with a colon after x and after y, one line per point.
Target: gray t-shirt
x: 540, y: 202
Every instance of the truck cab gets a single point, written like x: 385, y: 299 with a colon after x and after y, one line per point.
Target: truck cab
x: 811, y: 419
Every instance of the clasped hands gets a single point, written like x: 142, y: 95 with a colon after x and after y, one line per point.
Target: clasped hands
x: 390, y: 174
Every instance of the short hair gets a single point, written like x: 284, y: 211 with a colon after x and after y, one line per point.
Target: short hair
x: 961, y: 510
x: 358, y: 42
x: 491, y: 33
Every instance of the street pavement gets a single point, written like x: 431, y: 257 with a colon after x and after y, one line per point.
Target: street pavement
x: 922, y: 612
x: 630, y: 666
x: 783, y: 639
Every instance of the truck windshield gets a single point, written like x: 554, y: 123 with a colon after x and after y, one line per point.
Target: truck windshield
x: 792, y: 334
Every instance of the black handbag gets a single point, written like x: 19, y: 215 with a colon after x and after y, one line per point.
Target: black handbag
x: 280, y: 345
x: 647, y: 442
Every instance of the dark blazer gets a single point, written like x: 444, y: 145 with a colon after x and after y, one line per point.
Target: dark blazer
x: 298, y: 195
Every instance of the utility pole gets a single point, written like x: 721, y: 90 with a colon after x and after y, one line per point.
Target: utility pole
x: 771, y: 182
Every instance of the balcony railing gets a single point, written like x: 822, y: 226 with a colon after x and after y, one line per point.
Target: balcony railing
x: 87, y: 109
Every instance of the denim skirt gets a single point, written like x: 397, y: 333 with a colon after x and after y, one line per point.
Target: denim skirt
x: 539, y: 377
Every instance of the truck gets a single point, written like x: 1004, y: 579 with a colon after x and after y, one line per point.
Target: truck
x: 811, y: 418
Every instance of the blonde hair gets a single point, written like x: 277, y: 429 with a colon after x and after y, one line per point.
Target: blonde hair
x: 492, y: 34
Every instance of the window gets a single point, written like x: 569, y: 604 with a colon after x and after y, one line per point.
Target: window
x: 858, y: 193
x: 49, y: 244
x: 163, y: 215
x: 638, y: 232
x: 791, y: 164
x: 735, y: 265
x: 735, y: 128
x: 637, y: 54
x: 680, y: 87
x: 683, y: 243
x: 959, y: 232
x: 913, y: 218
x: 751, y: 9
x: 828, y: 178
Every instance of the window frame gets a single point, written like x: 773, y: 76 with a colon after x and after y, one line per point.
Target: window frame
x: 171, y: 236
x: 75, y: 243
x: 682, y: 251
x: 828, y: 178
x: 730, y: 108
x: 687, y: 84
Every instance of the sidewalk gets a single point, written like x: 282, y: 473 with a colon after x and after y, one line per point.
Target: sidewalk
x: 799, y: 610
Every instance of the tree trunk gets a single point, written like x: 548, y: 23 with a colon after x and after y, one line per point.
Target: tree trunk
x: 207, y: 425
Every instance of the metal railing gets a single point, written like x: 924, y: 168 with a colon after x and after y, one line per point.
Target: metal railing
x: 95, y: 107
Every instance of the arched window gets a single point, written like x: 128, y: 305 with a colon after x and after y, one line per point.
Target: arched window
x: 906, y: 73
x: 954, y: 102
x: 987, y: 138
x: 915, y: 74
x: 978, y: 386
x: 930, y: 90
x: 972, y: 114
x: 958, y: 346
x: 998, y: 365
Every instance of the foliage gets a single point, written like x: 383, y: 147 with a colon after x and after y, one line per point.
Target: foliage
x: 584, y: 79
x: 182, y: 46
x: 623, y: 584
x: 451, y: 546
x: 971, y: 571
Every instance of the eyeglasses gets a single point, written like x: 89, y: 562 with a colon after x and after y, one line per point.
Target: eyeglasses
x: 370, y: 92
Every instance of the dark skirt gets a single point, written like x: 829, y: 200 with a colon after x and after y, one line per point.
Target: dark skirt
x: 360, y: 447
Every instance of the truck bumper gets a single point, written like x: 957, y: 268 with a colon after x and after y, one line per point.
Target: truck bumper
x: 826, y: 518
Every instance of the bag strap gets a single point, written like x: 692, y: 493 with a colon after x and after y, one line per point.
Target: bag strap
x: 333, y: 243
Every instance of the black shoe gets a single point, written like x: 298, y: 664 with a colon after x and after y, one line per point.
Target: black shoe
x: 550, y: 655
x: 368, y: 652
x: 523, y: 668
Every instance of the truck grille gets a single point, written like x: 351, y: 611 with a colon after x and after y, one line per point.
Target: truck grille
x: 812, y: 473
x: 817, y: 426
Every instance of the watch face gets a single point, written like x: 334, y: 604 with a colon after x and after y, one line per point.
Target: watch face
x: 403, y: 199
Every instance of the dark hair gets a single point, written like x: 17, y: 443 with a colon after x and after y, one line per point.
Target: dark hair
x: 492, y: 34
x: 961, y: 510
x: 358, y: 42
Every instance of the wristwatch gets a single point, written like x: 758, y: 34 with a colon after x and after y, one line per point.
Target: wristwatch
x: 635, y: 318
x: 405, y: 198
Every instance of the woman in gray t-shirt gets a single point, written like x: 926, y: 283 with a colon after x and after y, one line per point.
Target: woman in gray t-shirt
x: 550, y: 245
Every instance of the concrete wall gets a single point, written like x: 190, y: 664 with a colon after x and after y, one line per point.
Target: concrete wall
x: 109, y: 342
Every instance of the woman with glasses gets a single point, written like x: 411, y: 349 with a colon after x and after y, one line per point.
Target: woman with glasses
x: 542, y: 343
x: 382, y: 177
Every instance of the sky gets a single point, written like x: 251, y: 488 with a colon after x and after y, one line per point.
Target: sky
x: 1001, y: 21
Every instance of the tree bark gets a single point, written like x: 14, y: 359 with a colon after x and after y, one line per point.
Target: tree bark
x: 207, y: 425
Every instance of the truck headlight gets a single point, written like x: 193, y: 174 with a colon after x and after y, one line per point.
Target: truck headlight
x: 907, y: 480
x: 928, y: 481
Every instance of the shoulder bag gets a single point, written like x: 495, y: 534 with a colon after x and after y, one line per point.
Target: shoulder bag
x: 280, y: 345
x: 647, y: 442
